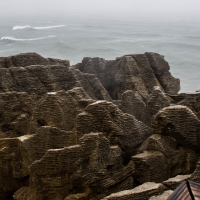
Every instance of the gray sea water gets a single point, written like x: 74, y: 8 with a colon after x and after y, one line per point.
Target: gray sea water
x: 75, y: 38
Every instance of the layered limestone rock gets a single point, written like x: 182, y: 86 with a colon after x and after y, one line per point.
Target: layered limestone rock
x: 17, y: 154
x: 92, y: 168
x: 27, y: 59
x: 140, y: 72
x: 180, y: 123
x: 161, y: 68
x: 16, y: 110
x: 191, y: 100
x: 97, y: 130
x: 160, y: 158
x: 120, y: 128
x: 144, y: 191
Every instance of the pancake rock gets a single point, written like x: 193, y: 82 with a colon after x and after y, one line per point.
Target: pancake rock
x: 139, y: 72
x: 180, y: 123
x: 101, y: 129
x: 120, y: 128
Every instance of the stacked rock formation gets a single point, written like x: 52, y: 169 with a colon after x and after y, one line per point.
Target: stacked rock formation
x: 97, y: 130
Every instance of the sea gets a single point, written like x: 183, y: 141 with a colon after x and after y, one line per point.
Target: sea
x: 74, y: 38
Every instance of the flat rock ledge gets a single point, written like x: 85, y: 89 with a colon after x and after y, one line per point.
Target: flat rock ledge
x: 97, y: 130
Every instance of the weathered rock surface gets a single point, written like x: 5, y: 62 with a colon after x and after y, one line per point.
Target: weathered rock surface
x: 163, y: 196
x: 90, y: 168
x: 140, y: 72
x: 174, y: 182
x: 97, y: 130
x: 144, y: 191
x: 15, y: 114
x: 27, y: 59
x: 180, y: 123
x: 120, y: 128
x: 159, y: 158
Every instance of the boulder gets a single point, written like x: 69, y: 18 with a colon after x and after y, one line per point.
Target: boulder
x: 180, y: 123
x: 159, y: 158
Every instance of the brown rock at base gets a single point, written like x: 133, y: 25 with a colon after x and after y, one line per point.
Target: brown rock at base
x: 174, y: 182
x: 160, y: 159
x: 144, y: 192
x: 162, y: 196
x: 91, y: 168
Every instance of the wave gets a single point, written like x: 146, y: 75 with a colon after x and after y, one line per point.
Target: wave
x: 21, y: 27
x: 37, y: 28
x: 49, y: 27
x: 31, y: 39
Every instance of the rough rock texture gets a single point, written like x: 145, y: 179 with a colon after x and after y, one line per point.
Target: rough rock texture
x: 196, y: 175
x: 97, y: 130
x: 180, y: 123
x: 15, y: 114
x: 90, y: 168
x: 140, y: 72
x: 27, y: 59
x: 17, y: 154
x: 156, y: 101
x: 191, y: 100
x: 174, y: 182
x: 144, y: 191
x: 161, y: 68
x: 132, y: 103
x: 163, y: 196
x: 120, y: 128
x: 160, y: 158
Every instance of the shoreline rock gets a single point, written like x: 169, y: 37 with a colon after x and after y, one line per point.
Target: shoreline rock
x: 101, y: 129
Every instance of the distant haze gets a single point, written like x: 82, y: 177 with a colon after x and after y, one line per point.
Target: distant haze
x: 103, y: 8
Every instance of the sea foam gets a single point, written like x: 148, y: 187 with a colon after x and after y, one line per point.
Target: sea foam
x: 21, y: 27
x: 31, y: 39
x: 37, y: 28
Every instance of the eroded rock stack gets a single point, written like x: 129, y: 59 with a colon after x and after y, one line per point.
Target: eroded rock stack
x: 97, y: 130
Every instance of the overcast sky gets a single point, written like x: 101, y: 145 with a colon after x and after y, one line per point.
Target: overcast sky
x: 100, y: 8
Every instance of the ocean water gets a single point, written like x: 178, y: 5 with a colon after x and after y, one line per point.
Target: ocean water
x: 75, y: 38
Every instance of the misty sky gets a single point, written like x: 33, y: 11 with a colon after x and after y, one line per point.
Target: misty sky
x: 102, y: 8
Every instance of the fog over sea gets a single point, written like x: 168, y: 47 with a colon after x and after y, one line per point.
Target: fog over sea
x: 73, y: 38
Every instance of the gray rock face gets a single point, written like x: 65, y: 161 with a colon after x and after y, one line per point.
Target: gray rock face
x: 161, y: 68
x: 97, y: 130
x: 139, y: 72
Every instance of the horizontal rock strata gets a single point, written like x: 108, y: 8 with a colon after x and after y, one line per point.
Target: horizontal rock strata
x: 98, y: 130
